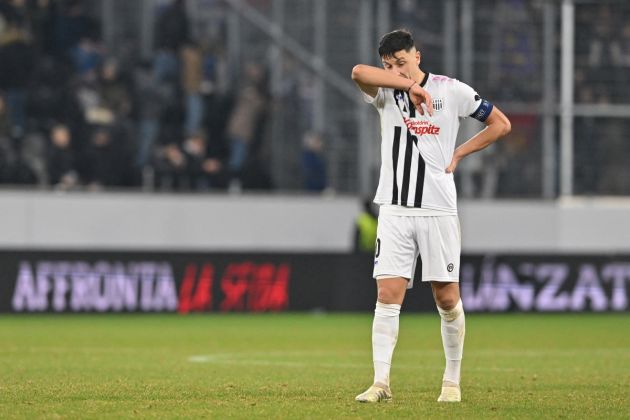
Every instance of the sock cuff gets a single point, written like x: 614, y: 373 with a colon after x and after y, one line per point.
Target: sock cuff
x: 452, y: 314
x: 387, y: 309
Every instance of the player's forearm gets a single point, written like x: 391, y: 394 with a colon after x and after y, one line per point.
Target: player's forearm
x: 374, y: 76
x: 482, y: 139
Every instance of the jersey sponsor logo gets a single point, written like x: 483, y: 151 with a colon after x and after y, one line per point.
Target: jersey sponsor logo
x: 421, y: 127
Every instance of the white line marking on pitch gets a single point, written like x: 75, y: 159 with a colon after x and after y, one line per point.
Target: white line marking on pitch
x: 222, y: 359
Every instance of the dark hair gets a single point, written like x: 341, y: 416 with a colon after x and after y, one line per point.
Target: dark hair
x: 400, y: 39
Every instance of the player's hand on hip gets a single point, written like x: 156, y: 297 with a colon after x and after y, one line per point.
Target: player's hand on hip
x: 420, y: 96
x: 451, y: 168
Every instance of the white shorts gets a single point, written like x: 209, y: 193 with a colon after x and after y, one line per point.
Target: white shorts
x: 401, y: 238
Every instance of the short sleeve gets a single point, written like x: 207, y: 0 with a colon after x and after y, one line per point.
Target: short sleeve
x: 468, y: 101
x: 378, y: 101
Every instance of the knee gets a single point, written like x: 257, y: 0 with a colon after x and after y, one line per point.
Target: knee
x: 446, y: 302
x: 388, y: 295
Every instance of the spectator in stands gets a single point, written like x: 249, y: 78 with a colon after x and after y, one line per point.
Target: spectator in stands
x: 43, y: 13
x: 33, y: 156
x: 214, y: 66
x: 602, y: 70
x: 151, y: 98
x: 217, y: 101
x: 5, y: 123
x: 13, y: 12
x: 365, y: 228
x: 171, y: 30
x: 621, y: 48
x: 192, y: 79
x: 21, y: 162
x: 87, y: 57
x: 72, y: 24
x: 194, y: 150
x: 168, y: 160
x: 600, y: 52
x: 217, y: 112
x: 215, y: 171
x: 247, y: 117
x: 313, y: 162
x: 170, y: 167
x: 61, y: 165
x: 514, y: 68
x: 7, y: 153
x: 7, y: 156
x: 189, y: 167
x: 113, y: 91
x: 613, y: 170
x: 16, y: 63
x: 88, y: 97
x: 621, y: 56
x: 102, y: 161
x: 52, y: 95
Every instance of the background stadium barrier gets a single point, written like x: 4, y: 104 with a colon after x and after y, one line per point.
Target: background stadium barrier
x: 286, y: 224
x: 46, y: 281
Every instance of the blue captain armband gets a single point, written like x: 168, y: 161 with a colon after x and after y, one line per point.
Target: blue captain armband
x: 484, y: 110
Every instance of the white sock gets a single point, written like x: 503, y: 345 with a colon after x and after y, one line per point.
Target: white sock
x: 453, y: 332
x: 384, y: 337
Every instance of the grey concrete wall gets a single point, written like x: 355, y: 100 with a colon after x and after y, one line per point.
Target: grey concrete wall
x: 122, y: 221
x: 175, y: 222
x: 566, y: 226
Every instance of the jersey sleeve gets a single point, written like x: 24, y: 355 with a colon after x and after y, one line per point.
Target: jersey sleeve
x: 378, y: 101
x: 470, y: 104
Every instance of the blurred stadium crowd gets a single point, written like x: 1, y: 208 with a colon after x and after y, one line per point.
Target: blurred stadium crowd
x: 76, y: 114
x: 602, y: 77
x: 509, y: 48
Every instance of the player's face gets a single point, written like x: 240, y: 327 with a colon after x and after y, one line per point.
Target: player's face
x: 402, y: 63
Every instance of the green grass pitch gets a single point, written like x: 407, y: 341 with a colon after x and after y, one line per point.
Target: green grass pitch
x: 308, y: 366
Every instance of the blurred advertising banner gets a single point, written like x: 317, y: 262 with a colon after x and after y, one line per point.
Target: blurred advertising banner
x: 195, y: 282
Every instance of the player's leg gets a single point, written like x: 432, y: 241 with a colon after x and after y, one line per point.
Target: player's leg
x: 440, y: 250
x: 453, y: 327
x: 394, y: 265
x: 391, y: 293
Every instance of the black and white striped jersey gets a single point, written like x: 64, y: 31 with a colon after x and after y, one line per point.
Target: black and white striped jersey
x: 416, y: 149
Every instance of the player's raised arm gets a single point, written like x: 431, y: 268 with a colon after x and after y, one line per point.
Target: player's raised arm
x: 370, y: 78
x: 497, y: 126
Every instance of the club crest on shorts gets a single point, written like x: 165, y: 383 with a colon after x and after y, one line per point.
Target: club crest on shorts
x: 450, y: 267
